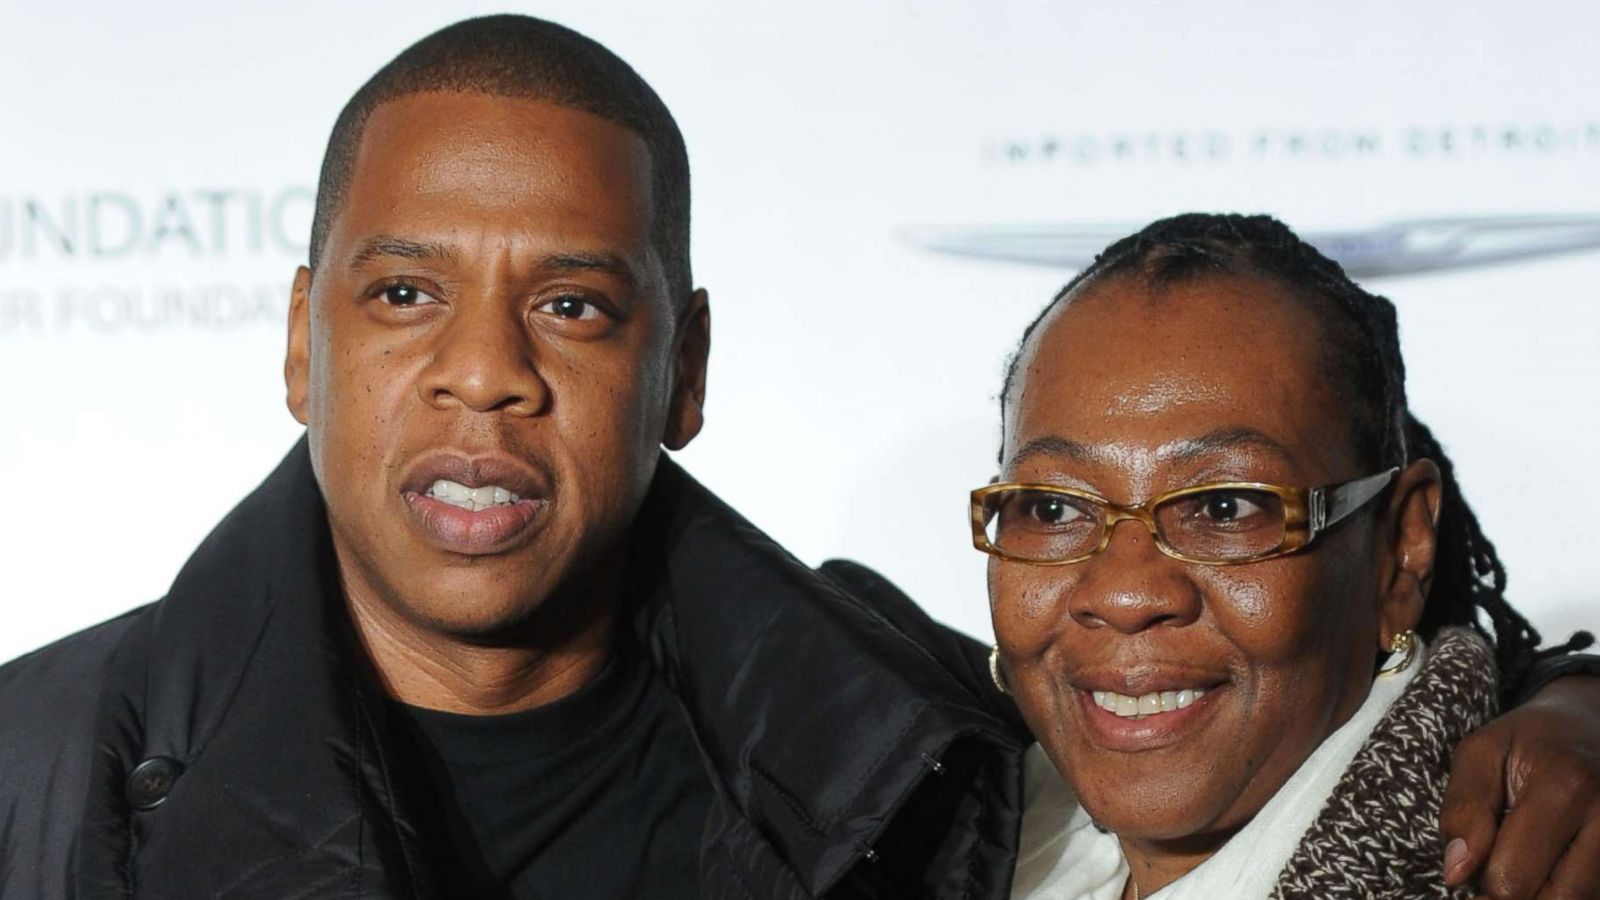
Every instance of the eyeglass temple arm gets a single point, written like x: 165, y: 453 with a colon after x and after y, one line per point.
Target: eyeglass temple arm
x: 1331, y: 504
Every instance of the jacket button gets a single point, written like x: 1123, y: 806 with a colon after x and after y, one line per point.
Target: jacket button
x: 150, y: 782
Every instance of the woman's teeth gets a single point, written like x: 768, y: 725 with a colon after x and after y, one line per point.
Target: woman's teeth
x: 1148, y: 705
x: 471, y: 499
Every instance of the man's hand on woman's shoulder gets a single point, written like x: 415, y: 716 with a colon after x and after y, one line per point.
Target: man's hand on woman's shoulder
x: 1521, y: 816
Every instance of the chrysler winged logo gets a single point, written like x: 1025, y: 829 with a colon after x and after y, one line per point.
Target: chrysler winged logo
x: 1399, y: 248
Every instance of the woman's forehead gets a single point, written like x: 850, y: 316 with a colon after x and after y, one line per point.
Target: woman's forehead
x: 1124, y: 364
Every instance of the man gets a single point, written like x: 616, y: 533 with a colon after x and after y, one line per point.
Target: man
x: 476, y: 636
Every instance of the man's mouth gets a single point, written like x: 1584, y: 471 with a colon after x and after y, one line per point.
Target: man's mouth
x: 476, y: 505
x: 471, y: 499
x: 1151, y: 704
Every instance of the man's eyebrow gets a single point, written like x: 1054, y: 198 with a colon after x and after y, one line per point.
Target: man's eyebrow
x: 602, y: 263
x: 385, y: 245
x: 388, y: 245
x: 1228, y: 438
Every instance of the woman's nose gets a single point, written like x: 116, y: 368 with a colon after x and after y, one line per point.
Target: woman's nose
x: 1132, y: 585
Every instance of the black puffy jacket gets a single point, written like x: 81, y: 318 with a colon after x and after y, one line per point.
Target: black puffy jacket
x: 229, y: 741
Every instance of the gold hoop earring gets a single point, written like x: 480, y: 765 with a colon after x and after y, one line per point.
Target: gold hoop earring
x: 1405, y: 642
x: 995, y: 673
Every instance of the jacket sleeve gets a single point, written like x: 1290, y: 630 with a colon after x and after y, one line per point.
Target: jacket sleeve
x: 962, y: 655
x: 49, y: 701
x: 1548, y: 668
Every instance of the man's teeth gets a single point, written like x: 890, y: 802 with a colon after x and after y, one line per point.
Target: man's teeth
x: 1148, y: 705
x: 471, y: 499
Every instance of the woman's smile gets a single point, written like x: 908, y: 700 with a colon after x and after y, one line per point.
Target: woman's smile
x: 1173, y: 717
x: 1140, y: 706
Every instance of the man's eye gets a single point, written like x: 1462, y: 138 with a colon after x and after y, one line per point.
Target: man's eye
x: 571, y: 306
x: 403, y: 295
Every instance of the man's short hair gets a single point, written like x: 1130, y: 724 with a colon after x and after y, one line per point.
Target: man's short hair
x: 526, y: 58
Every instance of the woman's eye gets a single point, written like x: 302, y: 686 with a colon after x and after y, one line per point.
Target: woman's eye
x: 403, y: 295
x: 1228, y: 507
x: 570, y: 306
x: 1052, y: 510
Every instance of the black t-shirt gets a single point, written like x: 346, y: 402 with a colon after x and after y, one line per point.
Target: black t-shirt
x: 601, y: 794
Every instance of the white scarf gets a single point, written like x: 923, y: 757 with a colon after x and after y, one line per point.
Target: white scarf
x: 1063, y: 856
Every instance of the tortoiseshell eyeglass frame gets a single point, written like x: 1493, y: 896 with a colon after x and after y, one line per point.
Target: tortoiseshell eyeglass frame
x: 1307, y: 513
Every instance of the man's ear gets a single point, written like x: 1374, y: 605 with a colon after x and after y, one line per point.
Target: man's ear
x: 687, y: 413
x: 297, y: 360
x: 1412, y: 538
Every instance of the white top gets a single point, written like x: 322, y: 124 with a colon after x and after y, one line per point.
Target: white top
x: 1064, y: 857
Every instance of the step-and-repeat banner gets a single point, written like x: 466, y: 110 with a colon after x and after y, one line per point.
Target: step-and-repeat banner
x: 885, y: 193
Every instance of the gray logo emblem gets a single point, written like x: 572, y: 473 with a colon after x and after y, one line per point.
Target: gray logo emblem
x: 1399, y: 248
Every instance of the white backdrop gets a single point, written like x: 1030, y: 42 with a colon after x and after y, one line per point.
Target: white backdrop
x: 156, y: 163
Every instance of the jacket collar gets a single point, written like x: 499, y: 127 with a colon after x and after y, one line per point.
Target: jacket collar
x: 247, y: 674
x: 817, y: 715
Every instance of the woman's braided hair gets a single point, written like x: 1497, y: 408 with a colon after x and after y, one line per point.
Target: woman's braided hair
x: 1364, y: 366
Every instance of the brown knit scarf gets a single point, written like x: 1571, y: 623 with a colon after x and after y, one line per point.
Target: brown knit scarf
x: 1378, y: 835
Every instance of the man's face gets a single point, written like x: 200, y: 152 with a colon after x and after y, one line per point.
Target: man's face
x: 487, y: 359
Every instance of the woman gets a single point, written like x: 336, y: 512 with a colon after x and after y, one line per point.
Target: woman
x: 1234, y: 586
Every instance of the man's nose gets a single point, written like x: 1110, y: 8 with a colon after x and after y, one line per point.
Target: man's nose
x: 1132, y: 585
x: 484, y: 360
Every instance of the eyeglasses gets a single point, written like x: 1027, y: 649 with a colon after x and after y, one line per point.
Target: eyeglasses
x: 1212, y: 524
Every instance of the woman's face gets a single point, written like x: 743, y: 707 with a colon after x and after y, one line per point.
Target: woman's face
x: 1130, y: 392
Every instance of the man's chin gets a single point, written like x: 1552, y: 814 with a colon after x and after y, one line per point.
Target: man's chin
x: 529, y: 599
x: 509, y: 622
